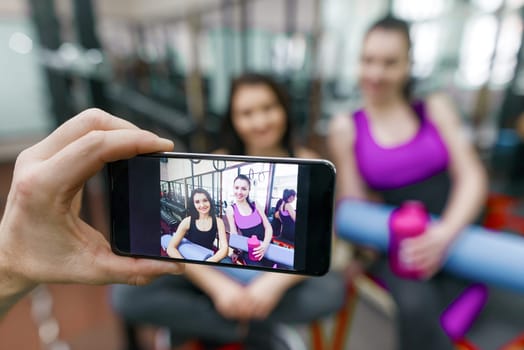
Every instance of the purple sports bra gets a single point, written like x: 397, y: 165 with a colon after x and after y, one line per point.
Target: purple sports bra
x: 384, y: 168
x: 246, y: 221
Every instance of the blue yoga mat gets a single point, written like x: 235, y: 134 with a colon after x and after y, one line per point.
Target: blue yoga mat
x: 477, y: 254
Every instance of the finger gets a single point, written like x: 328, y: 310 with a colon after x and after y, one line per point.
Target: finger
x: 133, y: 271
x: 83, y: 158
x: 421, y: 259
x: 76, y: 127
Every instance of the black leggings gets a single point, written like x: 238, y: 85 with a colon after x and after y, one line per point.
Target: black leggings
x: 419, y: 306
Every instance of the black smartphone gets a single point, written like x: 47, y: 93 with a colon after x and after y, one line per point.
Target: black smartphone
x: 272, y: 214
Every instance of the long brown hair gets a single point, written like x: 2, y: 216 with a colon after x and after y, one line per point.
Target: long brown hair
x: 229, y: 138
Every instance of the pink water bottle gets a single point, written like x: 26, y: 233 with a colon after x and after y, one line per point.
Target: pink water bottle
x: 407, y: 221
x: 252, y: 243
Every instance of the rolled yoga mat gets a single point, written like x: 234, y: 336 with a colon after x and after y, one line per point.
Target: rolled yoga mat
x: 274, y: 252
x: 477, y: 254
x: 192, y: 251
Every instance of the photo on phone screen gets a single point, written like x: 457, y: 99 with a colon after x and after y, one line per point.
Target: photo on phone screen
x: 236, y: 212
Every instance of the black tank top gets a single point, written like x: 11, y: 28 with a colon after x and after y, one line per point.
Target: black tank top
x: 433, y: 192
x: 288, y: 227
x: 202, y: 238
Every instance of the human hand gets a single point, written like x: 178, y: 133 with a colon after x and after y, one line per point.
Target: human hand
x: 263, y: 295
x: 229, y: 298
x: 42, y: 238
x: 259, y: 251
x: 428, y: 251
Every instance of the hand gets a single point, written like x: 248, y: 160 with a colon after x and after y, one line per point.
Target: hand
x: 428, y: 251
x: 259, y: 251
x: 230, y: 300
x: 42, y: 238
x: 263, y: 295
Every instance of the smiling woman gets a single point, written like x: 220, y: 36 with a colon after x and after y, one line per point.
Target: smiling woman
x: 248, y: 218
x: 398, y: 149
x: 201, y: 227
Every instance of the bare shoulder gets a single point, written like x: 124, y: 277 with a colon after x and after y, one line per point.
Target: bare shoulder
x: 258, y: 206
x: 186, y: 222
x: 220, y: 222
x: 341, y: 134
x: 341, y: 124
x: 303, y: 152
x: 288, y: 206
x: 442, y: 111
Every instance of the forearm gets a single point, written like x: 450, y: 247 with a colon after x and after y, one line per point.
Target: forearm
x: 466, y: 200
x: 268, y: 236
x: 281, y: 281
x: 206, y: 278
x: 219, y: 255
x: 173, y: 252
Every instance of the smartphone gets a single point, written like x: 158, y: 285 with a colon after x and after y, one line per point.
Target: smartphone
x: 272, y: 214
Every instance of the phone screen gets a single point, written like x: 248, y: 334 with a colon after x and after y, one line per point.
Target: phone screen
x: 237, y: 212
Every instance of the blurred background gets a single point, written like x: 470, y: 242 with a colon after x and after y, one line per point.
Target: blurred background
x: 166, y: 65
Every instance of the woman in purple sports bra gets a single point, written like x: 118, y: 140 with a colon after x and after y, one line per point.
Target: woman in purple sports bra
x: 395, y: 149
x: 248, y: 218
x: 287, y: 215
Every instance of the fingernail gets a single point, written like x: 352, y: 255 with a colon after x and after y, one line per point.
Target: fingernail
x: 168, y: 144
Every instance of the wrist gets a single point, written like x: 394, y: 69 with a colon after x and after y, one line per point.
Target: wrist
x: 447, y: 233
x: 13, y: 286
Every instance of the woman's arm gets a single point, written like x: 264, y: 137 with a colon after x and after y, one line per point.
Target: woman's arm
x: 228, y: 296
x: 340, y: 144
x: 469, y: 179
x: 222, y: 242
x: 265, y: 292
x: 231, y: 221
x: 291, y: 211
x: 268, y: 234
x: 468, y: 192
x: 172, y: 247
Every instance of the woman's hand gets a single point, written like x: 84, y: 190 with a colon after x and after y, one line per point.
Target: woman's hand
x: 428, y: 251
x: 263, y: 295
x: 231, y: 300
x: 259, y: 251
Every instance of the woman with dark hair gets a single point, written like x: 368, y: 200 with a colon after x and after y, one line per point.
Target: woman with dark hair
x: 247, y: 217
x: 258, y: 123
x: 287, y: 215
x: 258, y: 119
x: 249, y: 306
x: 201, y: 227
x: 396, y: 149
